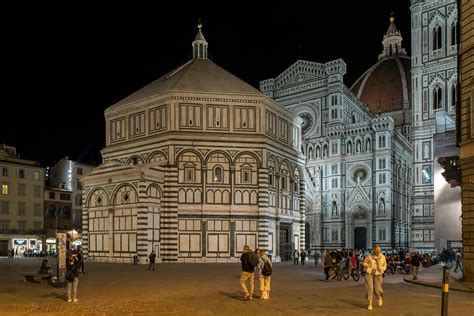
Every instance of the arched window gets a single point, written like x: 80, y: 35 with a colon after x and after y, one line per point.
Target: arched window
x: 437, y: 35
x: 317, y: 152
x: 353, y: 118
x: 454, y: 34
x: 382, y: 141
x: 217, y: 174
x: 454, y: 96
x: 437, y: 98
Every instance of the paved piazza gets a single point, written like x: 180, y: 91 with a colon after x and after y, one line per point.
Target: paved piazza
x: 212, y: 289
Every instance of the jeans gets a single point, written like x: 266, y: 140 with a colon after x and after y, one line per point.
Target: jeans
x: 72, y: 286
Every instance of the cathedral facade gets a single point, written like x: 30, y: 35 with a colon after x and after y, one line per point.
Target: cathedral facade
x: 359, y: 161
x: 197, y: 164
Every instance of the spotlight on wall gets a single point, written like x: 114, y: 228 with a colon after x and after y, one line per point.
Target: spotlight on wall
x: 452, y: 171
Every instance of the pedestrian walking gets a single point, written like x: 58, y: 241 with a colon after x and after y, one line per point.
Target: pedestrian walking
x: 375, y: 265
x: 249, y: 261
x: 265, y: 268
x: 316, y: 258
x: 327, y: 264
x: 296, y: 256
x: 458, y: 260
x: 152, y: 258
x: 415, y: 265
x: 72, y: 275
x: 303, y: 256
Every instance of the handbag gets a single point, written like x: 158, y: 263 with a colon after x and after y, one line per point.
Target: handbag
x: 70, y: 276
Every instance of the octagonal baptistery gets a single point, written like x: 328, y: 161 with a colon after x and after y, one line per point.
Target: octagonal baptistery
x: 385, y: 87
x: 197, y: 164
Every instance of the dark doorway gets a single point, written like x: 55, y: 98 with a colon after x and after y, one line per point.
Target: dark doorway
x: 360, y: 240
x: 307, y: 236
x: 3, y: 247
x: 286, y: 247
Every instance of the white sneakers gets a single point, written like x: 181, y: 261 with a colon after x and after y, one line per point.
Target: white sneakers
x: 379, y: 301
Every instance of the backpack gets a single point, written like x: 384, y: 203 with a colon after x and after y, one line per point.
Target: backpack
x: 267, y: 268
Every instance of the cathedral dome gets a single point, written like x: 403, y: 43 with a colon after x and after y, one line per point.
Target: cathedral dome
x: 385, y: 86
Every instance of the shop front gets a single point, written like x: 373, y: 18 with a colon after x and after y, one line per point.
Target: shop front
x: 51, y: 246
x: 27, y: 247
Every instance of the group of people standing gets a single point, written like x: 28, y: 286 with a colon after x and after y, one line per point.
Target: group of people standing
x: 251, y: 260
x: 297, y: 255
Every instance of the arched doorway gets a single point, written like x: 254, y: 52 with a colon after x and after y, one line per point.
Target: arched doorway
x: 358, y: 227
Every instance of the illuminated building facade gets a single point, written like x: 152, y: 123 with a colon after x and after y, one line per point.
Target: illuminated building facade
x: 357, y: 145
x: 436, y: 207
x: 196, y: 165
x: 21, y: 203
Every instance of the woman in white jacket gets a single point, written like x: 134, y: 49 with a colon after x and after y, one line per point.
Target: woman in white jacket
x: 375, y: 265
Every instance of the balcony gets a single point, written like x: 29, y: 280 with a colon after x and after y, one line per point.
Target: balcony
x: 23, y: 231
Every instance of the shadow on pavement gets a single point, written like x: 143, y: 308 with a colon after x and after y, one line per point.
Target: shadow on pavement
x: 354, y: 303
x: 233, y: 295
x: 60, y: 296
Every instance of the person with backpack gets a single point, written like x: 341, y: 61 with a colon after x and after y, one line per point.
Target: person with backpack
x: 72, y: 275
x: 264, y: 274
x: 249, y: 261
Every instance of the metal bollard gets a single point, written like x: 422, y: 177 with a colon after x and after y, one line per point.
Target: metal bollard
x: 445, y: 289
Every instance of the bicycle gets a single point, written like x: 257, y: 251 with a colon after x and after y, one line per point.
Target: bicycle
x: 335, y: 271
x: 354, y: 273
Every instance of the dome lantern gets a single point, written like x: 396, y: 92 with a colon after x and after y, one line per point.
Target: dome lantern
x: 392, y: 41
x: 199, y: 44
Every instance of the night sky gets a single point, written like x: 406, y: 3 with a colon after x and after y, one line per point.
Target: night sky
x: 62, y: 70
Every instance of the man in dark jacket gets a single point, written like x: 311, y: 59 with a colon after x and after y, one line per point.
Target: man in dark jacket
x: 248, y: 269
x: 415, y: 265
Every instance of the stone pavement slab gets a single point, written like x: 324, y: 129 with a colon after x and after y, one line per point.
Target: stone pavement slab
x: 211, y: 289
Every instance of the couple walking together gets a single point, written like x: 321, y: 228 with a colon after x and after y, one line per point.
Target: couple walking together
x: 249, y: 261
